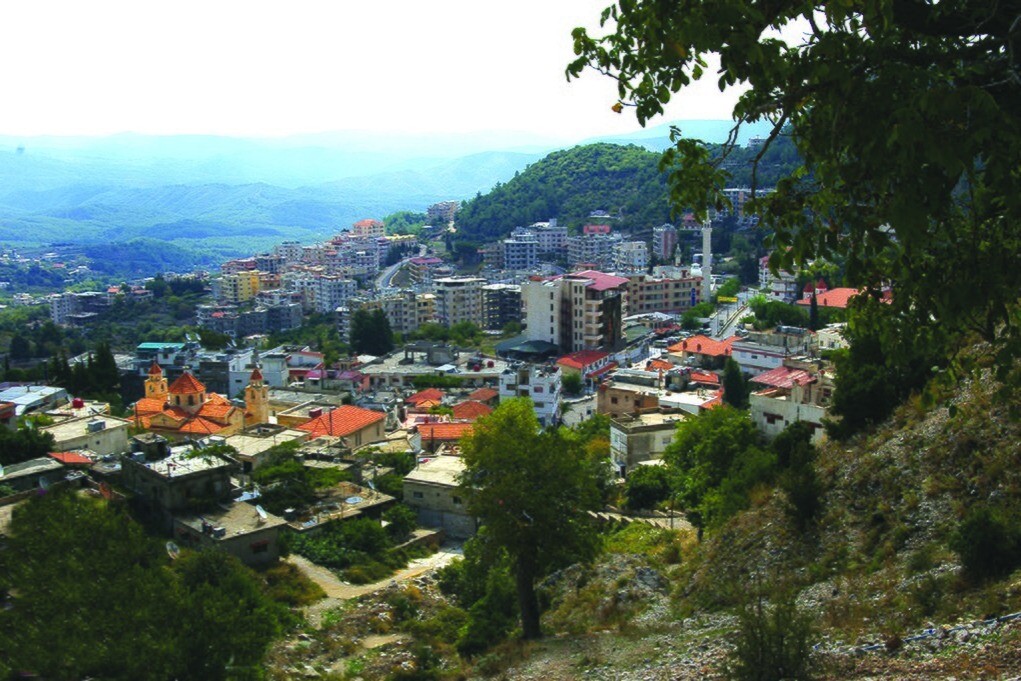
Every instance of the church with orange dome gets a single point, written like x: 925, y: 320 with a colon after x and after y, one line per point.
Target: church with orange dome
x: 185, y: 408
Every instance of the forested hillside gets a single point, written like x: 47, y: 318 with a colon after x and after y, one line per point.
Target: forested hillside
x: 569, y: 185
x: 623, y: 180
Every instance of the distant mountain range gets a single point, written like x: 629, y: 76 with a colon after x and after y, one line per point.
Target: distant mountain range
x: 215, y: 197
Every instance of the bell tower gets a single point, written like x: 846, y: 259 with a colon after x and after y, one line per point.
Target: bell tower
x: 156, y: 384
x: 257, y: 399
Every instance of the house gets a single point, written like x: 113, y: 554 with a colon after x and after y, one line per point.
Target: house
x: 432, y: 489
x: 26, y: 475
x: 540, y: 383
x: 356, y: 425
x: 434, y: 395
x: 253, y: 445
x: 640, y: 437
x: 435, y: 434
x: 766, y: 350
x: 249, y: 533
x: 181, y: 482
x: 485, y: 395
x: 101, y: 434
x: 620, y: 398
x: 470, y: 410
x: 796, y: 391
x: 589, y: 364
x: 702, y: 351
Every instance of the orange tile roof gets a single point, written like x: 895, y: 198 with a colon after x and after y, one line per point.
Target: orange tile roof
x: 201, y: 426
x: 215, y: 411
x: 484, y: 395
x: 427, y: 404
x: 72, y: 458
x: 582, y: 358
x: 427, y: 394
x: 835, y: 297
x: 471, y: 410
x: 704, y: 345
x: 217, y: 398
x: 342, y: 421
x: 704, y: 377
x: 186, y: 383
x: 149, y: 405
x: 658, y: 365
x: 444, y: 431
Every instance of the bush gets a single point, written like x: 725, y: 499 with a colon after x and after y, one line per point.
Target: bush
x: 772, y: 644
x: 647, y: 486
x: 989, y: 543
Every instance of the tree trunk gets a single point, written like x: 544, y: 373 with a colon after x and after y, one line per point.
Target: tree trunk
x: 527, y: 601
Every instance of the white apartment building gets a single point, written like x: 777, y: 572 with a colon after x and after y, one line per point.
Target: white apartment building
x: 521, y: 251
x: 630, y: 257
x: 595, y: 248
x: 540, y: 383
x: 291, y: 251
x: 664, y: 242
x: 332, y: 291
x: 578, y: 311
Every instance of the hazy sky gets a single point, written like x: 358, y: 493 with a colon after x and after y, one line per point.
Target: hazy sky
x: 256, y: 68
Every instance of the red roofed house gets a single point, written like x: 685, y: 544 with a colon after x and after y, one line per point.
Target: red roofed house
x: 489, y: 396
x: 796, y: 391
x: 356, y: 425
x: 703, y: 351
x: 471, y: 410
x: 427, y: 395
x: 435, y: 434
x: 185, y: 408
x: 588, y: 363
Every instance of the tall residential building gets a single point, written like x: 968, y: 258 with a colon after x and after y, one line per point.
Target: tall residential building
x: 459, y: 299
x: 237, y: 288
x: 578, y: 311
x: 669, y: 294
x: 664, y: 242
x: 551, y: 236
x: 630, y: 257
x: 501, y: 305
x: 370, y: 229
x: 594, y: 248
x: 521, y: 252
x: 332, y: 291
x: 290, y: 251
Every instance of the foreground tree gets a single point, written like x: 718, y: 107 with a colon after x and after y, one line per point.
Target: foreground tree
x: 925, y: 202
x: 531, y: 489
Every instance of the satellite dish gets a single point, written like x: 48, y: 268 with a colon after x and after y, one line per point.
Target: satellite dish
x: 372, y: 485
x: 261, y: 511
x: 172, y: 550
x: 44, y: 484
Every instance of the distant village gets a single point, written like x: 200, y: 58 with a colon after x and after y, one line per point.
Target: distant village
x: 582, y: 324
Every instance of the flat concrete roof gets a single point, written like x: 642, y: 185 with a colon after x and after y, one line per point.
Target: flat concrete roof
x: 251, y: 445
x: 77, y: 427
x: 178, y: 465
x: 239, y: 518
x: 443, y: 471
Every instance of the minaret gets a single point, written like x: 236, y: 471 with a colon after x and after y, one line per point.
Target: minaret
x: 156, y: 384
x: 257, y: 399
x: 707, y: 260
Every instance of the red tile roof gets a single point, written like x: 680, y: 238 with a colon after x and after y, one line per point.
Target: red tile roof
x: 215, y: 411
x: 471, y: 410
x: 71, y: 458
x: 444, y: 431
x: 148, y: 405
x: 256, y: 374
x: 185, y: 384
x: 658, y: 365
x: 484, y: 395
x: 704, y: 377
x: 434, y: 394
x: 155, y: 369
x: 704, y: 345
x: 582, y: 359
x: 781, y: 377
x: 200, y: 426
x: 342, y: 421
x: 600, y: 280
x: 836, y: 298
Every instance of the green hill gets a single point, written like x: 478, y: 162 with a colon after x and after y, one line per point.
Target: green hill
x: 569, y: 185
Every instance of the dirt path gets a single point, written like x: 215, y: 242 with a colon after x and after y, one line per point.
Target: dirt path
x: 338, y: 591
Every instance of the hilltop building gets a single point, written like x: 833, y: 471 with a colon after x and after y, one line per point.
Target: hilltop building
x: 579, y: 311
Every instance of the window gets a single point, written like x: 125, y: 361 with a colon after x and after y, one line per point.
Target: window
x: 456, y: 500
x: 613, y: 400
x: 191, y: 400
x: 260, y: 546
x: 538, y: 388
x: 417, y: 495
